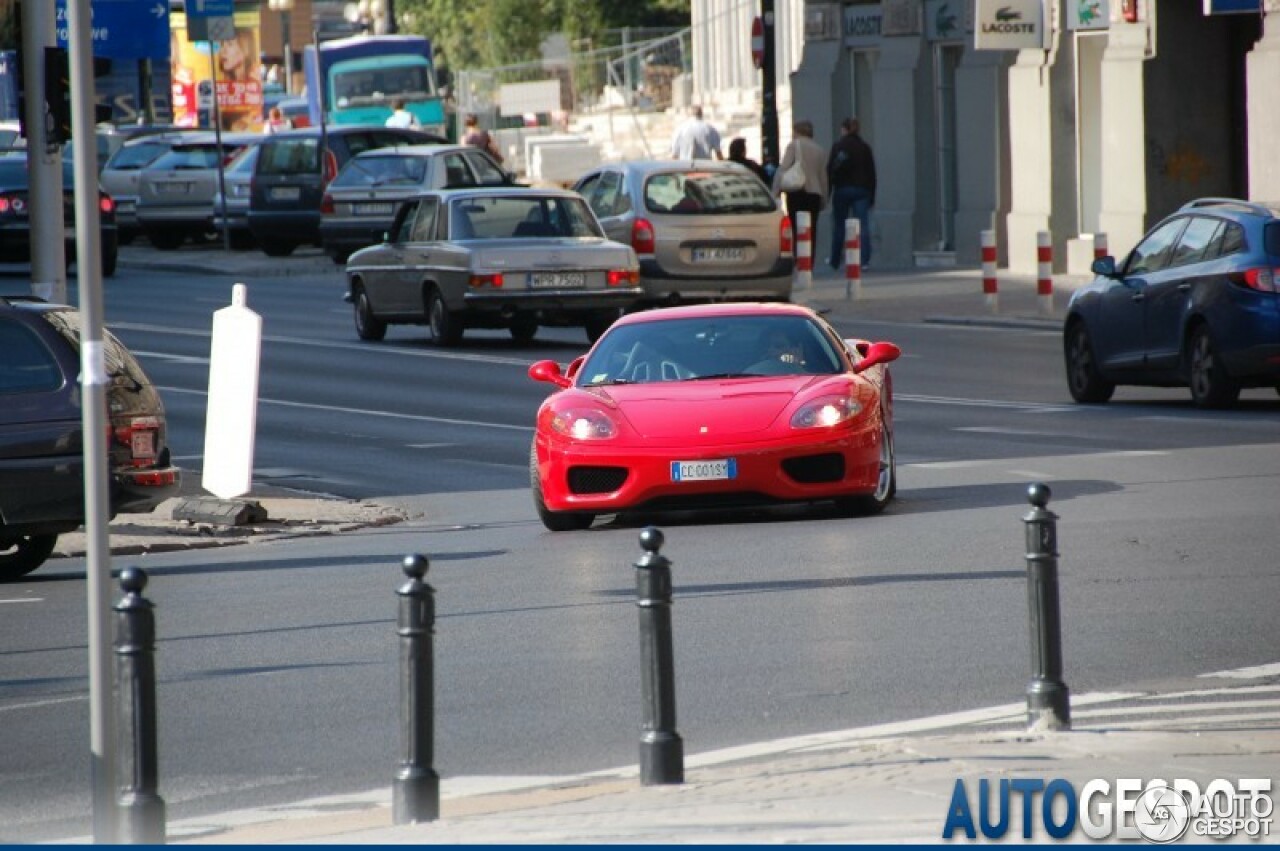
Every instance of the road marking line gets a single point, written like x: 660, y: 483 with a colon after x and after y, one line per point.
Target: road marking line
x: 952, y: 465
x: 25, y: 600
x: 982, y: 403
x: 430, y: 445
x: 165, y: 356
x: 364, y: 412
x: 1013, y: 431
x: 1256, y: 672
x: 1204, y: 692
x: 1181, y: 707
x: 39, y: 704
x: 1171, y: 724
x: 1030, y: 474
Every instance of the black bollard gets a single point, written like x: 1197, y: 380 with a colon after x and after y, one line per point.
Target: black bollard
x: 141, y: 809
x: 1048, y: 699
x: 661, y: 751
x: 415, y: 792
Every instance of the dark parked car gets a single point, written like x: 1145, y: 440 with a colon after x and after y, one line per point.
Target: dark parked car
x: 290, y: 177
x: 15, y: 216
x: 360, y: 203
x: 1196, y: 303
x: 41, y: 435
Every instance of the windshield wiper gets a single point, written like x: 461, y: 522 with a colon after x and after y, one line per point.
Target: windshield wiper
x: 716, y: 375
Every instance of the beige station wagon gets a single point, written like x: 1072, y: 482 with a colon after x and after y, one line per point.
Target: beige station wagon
x: 492, y: 257
x: 703, y: 230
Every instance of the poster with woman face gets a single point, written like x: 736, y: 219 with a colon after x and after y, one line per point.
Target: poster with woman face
x: 234, y: 62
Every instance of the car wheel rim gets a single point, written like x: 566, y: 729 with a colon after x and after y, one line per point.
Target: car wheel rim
x: 1080, y: 364
x: 884, y: 481
x: 1201, y: 365
x: 362, y: 313
x: 437, y: 318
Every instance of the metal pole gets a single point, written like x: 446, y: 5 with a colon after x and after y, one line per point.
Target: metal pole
x: 217, y: 141
x: 415, y: 792
x: 1048, y: 699
x: 661, y: 750
x: 769, y: 143
x: 48, y: 260
x: 141, y: 807
x: 288, y: 51
x: 146, y: 109
x: 93, y: 379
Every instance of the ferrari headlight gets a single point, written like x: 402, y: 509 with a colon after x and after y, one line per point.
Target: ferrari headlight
x: 584, y: 424
x: 826, y: 412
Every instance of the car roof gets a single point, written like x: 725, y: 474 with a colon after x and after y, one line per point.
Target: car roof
x: 425, y: 149
x: 647, y: 167
x: 506, y: 192
x: 703, y: 311
x: 1232, y: 205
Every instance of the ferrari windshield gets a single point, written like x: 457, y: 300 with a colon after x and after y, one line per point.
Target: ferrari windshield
x: 710, y: 348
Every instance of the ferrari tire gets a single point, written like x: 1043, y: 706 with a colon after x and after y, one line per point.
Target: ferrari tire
x: 22, y: 554
x: 555, y: 521
x: 368, y: 326
x: 1211, y: 386
x: 1083, y: 378
x: 886, y: 482
x: 446, y: 327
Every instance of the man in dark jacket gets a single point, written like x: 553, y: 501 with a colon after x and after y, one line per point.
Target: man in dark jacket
x: 851, y: 171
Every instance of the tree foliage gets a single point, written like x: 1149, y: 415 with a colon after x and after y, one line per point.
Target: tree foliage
x: 490, y: 33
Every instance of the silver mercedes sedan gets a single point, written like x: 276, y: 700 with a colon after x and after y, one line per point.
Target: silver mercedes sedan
x: 492, y: 257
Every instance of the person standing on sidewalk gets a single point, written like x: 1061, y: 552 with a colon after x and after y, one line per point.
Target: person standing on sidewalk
x: 805, y: 188
x: 851, y: 170
x: 695, y: 139
x: 738, y: 154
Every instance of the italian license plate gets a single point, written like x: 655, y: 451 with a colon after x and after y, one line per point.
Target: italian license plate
x: 285, y: 193
x: 373, y: 209
x: 173, y: 188
x: 704, y: 471
x: 143, y: 444
x: 719, y: 255
x: 557, y: 280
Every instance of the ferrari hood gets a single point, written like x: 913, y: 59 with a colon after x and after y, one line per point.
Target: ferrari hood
x: 707, y: 410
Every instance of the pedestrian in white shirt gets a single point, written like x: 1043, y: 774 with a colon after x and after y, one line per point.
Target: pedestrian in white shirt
x: 401, y: 117
x: 695, y: 139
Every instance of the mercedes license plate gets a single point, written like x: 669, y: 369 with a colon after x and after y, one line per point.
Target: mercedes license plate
x: 285, y: 193
x: 557, y: 280
x: 719, y: 255
x: 373, y: 209
x: 704, y: 471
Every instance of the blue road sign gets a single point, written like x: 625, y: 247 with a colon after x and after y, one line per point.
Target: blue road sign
x: 211, y: 8
x: 1232, y: 7
x: 124, y: 29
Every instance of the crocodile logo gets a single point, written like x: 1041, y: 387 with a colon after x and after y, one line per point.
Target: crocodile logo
x: 1004, y: 13
x: 945, y: 21
x: 1090, y: 12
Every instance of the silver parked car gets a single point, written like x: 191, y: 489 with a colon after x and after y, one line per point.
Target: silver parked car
x: 361, y: 201
x: 122, y: 171
x: 236, y: 177
x: 175, y: 191
x: 493, y: 257
x: 704, y: 230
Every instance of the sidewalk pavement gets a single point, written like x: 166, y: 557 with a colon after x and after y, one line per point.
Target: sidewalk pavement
x: 890, y: 783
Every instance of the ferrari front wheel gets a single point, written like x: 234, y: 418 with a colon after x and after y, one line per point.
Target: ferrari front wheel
x: 555, y: 521
x: 886, y: 482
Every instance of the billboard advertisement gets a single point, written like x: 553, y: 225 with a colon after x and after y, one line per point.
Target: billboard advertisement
x: 193, y: 65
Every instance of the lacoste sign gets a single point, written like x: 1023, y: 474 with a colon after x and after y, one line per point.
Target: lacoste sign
x: 1010, y: 25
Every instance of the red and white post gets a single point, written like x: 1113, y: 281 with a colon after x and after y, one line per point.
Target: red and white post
x: 852, y: 258
x: 990, y: 287
x: 1044, y: 270
x: 1099, y: 246
x: 804, y: 250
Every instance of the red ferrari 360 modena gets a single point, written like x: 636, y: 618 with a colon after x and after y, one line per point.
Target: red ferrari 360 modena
x: 714, y: 406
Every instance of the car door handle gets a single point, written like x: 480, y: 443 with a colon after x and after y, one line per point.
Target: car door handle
x: 1182, y: 288
x: 1139, y: 297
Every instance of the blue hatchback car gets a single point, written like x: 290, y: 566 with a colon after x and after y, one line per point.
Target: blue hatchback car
x: 1195, y: 304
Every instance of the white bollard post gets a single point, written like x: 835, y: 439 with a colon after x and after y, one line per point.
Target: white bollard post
x: 990, y: 287
x: 231, y: 418
x: 804, y: 250
x: 852, y: 258
x: 1044, y: 270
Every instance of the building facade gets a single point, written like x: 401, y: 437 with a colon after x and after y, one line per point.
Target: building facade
x: 1119, y: 113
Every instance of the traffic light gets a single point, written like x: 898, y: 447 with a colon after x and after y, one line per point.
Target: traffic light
x: 57, y: 93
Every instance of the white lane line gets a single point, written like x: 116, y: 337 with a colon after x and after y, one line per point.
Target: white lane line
x: 40, y: 704
x: 430, y: 445
x: 1011, y: 431
x: 25, y: 600
x: 1206, y: 692
x: 952, y: 465
x: 165, y: 356
x: 982, y: 403
x: 363, y: 348
x: 1030, y: 474
x: 365, y: 412
x: 1186, y: 723
x: 1256, y: 672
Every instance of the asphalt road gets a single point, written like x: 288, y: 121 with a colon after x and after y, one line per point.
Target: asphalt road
x: 278, y: 663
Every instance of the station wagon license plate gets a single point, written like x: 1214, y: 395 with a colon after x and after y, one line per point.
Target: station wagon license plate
x: 143, y: 444
x: 285, y: 193
x: 704, y: 471
x: 173, y: 188
x: 373, y: 209
x: 557, y: 280
x: 719, y: 255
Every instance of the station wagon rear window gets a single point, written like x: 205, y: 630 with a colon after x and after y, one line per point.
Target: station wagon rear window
x: 392, y: 170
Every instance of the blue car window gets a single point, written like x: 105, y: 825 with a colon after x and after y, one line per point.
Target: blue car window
x: 1194, y: 240
x: 1233, y: 239
x: 26, y: 364
x: 1154, y: 252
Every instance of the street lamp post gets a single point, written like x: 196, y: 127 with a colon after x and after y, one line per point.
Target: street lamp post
x: 284, y: 7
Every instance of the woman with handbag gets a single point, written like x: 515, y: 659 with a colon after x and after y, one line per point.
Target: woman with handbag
x: 802, y: 176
